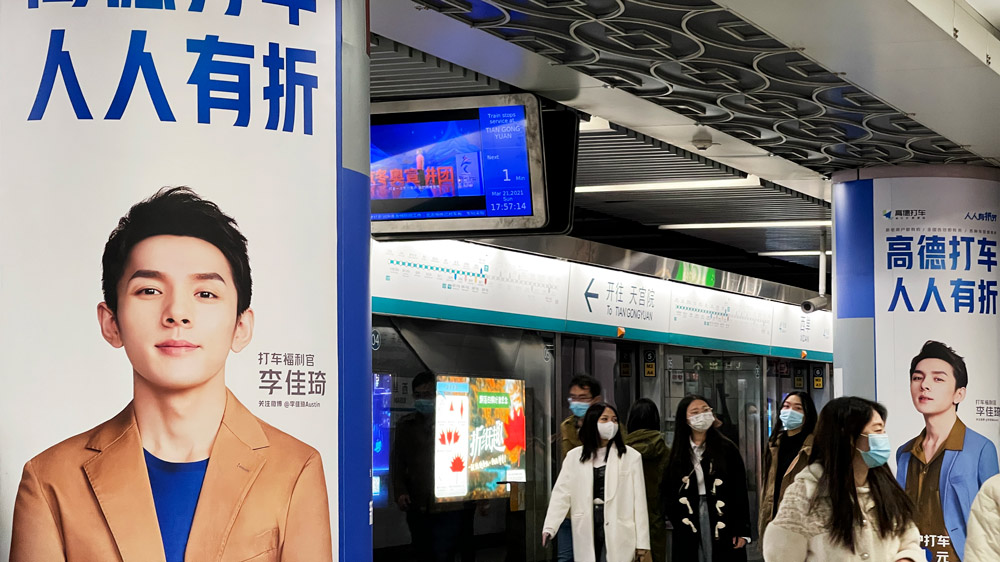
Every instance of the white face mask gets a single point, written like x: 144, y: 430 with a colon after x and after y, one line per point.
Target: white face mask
x: 701, y: 422
x: 607, y: 430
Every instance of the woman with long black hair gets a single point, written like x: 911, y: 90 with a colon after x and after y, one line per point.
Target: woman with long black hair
x: 789, y: 448
x: 846, y: 505
x: 705, y: 489
x: 601, y: 487
x: 644, y: 436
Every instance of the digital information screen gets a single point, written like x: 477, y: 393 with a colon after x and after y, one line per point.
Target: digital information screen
x: 461, y: 163
x: 381, y: 425
x: 479, y: 437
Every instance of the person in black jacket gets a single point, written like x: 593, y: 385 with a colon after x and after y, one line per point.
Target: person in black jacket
x: 705, y: 489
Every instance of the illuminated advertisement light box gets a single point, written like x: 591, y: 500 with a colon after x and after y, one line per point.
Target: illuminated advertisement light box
x: 479, y: 437
x: 381, y: 418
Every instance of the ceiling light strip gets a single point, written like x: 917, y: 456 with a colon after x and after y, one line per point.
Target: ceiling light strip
x: 753, y: 224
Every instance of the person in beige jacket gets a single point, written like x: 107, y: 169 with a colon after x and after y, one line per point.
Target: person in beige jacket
x: 185, y: 472
x: 982, y: 539
x: 846, y: 505
x: 788, y: 453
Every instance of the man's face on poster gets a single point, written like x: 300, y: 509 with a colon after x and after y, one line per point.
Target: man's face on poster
x: 176, y: 314
x: 932, y: 387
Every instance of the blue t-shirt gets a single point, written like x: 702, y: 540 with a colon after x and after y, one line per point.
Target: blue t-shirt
x: 176, y: 487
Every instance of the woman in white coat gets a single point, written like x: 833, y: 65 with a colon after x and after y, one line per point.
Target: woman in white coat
x: 603, y: 493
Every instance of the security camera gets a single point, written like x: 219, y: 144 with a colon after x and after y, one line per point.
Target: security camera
x: 702, y: 144
x: 814, y: 304
x: 702, y: 139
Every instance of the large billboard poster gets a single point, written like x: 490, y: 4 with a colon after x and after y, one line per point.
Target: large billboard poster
x: 936, y: 333
x: 174, y: 360
x: 480, y: 437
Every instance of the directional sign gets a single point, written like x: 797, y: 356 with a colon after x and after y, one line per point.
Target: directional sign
x: 618, y: 299
x: 587, y: 295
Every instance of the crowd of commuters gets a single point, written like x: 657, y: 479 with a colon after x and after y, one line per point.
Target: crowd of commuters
x: 827, y: 491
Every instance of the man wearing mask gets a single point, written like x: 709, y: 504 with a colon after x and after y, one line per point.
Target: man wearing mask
x: 584, y: 390
x: 412, y: 466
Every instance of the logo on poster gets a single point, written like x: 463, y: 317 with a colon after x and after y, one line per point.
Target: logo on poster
x: 905, y: 214
x: 486, y: 439
x: 984, y: 216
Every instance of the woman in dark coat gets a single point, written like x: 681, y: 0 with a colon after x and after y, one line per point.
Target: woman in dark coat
x: 645, y: 437
x: 705, y: 489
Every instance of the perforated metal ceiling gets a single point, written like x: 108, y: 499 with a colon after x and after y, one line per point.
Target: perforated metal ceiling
x: 700, y: 60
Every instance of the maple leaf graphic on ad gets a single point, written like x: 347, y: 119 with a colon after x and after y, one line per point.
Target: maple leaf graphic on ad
x: 449, y: 436
x: 457, y: 465
x: 514, y: 427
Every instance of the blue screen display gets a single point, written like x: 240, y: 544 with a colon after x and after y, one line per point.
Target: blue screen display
x: 381, y: 421
x: 472, y: 164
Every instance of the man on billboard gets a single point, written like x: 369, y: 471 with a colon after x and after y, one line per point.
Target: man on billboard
x: 943, y: 468
x: 185, y: 471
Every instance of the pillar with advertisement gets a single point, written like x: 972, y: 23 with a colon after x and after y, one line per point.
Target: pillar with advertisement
x: 916, y: 273
x: 247, y: 104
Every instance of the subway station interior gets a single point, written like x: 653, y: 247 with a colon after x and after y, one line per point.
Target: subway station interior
x: 691, y: 150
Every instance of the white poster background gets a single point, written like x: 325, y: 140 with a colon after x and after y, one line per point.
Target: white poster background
x: 899, y: 335
x: 64, y: 183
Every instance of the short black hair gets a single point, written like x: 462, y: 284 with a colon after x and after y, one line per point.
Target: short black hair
x: 422, y: 378
x: 937, y: 350
x: 176, y: 211
x: 587, y: 382
x: 643, y: 415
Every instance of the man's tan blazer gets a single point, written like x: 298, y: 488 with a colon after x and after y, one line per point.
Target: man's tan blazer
x: 88, y: 499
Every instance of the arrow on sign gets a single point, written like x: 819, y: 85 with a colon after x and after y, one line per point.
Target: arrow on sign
x: 587, y: 295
